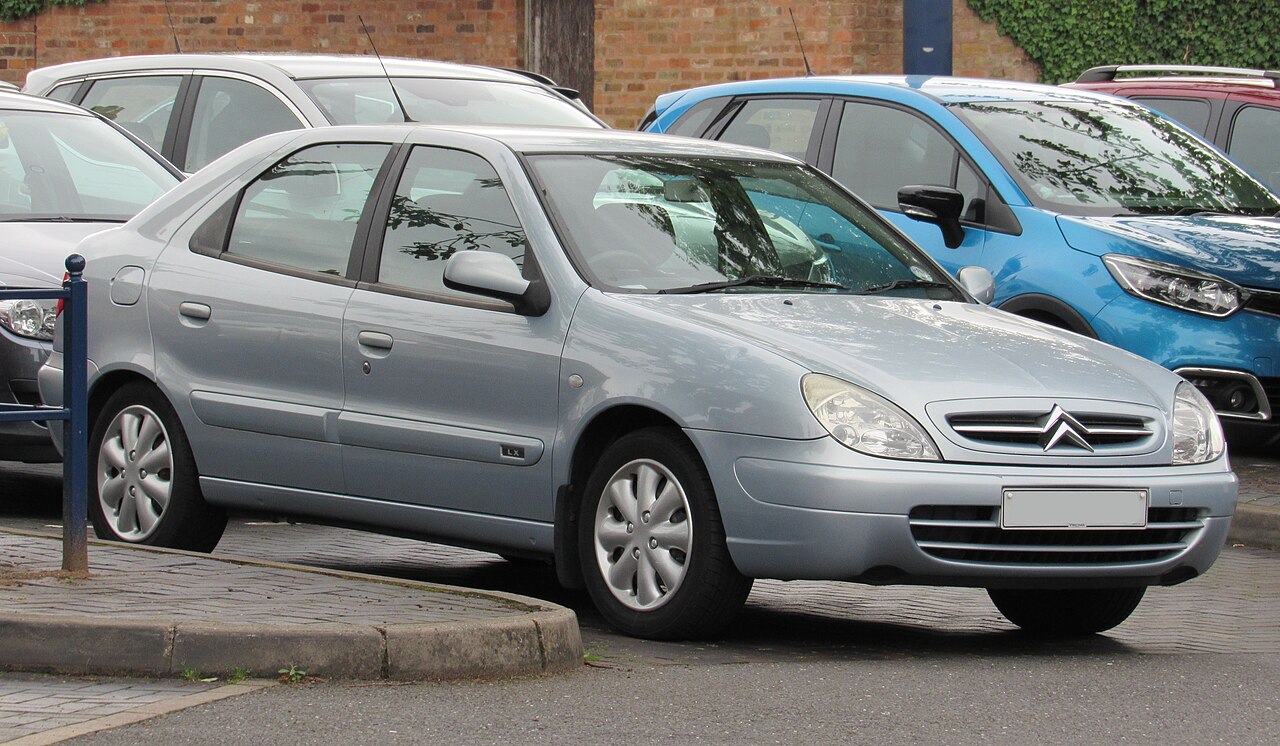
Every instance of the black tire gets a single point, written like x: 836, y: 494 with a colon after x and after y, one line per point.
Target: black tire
x: 186, y: 521
x: 1066, y: 613
x: 710, y: 590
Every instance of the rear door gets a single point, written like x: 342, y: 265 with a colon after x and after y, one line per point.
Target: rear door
x: 247, y: 318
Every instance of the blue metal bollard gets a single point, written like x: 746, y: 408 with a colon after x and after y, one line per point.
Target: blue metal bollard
x: 75, y: 436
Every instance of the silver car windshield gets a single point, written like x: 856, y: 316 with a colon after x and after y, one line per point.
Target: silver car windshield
x: 61, y: 168
x: 682, y: 224
x: 442, y: 101
x: 1100, y: 158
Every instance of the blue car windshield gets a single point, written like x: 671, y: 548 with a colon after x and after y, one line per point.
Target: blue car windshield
x: 1104, y: 158
x: 668, y: 224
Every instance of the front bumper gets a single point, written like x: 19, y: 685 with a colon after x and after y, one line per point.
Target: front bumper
x: 815, y: 510
x: 20, y: 361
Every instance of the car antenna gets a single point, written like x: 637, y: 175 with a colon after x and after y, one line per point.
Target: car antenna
x: 168, y: 15
x: 808, y: 71
x: 403, y: 111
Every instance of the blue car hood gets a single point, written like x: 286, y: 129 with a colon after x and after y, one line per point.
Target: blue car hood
x: 915, y: 352
x: 1244, y: 250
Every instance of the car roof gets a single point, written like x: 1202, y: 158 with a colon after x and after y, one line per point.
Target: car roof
x: 942, y: 89
x: 295, y: 66
x: 24, y: 102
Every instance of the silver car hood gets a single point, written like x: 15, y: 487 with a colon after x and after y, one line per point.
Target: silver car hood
x: 915, y: 352
x: 35, y: 254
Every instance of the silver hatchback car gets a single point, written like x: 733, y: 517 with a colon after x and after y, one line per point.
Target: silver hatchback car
x: 626, y: 354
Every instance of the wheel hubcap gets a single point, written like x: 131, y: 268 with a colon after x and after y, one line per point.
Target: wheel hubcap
x: 643, y: 535
x: 135, y: 470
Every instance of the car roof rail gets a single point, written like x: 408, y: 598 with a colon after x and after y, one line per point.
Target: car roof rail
x: 1107, y: 73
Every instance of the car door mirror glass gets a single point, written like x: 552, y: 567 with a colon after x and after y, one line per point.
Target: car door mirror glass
x: 978, y: 282
x: 935, y: 204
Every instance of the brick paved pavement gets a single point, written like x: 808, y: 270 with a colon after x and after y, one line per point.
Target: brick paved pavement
x: 32, y: 703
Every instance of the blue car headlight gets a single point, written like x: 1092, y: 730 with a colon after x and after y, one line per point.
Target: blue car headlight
x: 1170, y: 285
x: 1197, y: 433
x: 866, y: 422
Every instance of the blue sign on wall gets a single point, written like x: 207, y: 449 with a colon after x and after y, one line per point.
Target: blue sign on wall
x: 926, y: 37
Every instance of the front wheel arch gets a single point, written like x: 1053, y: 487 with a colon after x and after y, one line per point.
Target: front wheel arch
x: 1047, y: 309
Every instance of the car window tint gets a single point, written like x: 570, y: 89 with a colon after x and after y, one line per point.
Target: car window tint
x: 1253, y: 144
x: 64, y: 92
x: 880, y: 149
x: 447, y: 201
x: 1192, y: 113
x: 782, y: 125
x: 303, y: 212
x: 693, y: 121
x: 141, y: 104
x: 230, y: 113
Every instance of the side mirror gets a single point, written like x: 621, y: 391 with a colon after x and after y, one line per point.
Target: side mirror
x: 496, y: 276
x: 935, y: 204
x: 978, y: 282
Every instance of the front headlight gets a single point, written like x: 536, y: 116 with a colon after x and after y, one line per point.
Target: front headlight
x: 865, y: 422
x: 29, y: 318
x: 1179, y: 287
x: 1197, y: 434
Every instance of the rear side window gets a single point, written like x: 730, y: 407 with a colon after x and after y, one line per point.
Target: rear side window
x: 447, y: 201
x: 302, y: 214
x: 230, y: 113
x: 778, y: 124
x: 1192, y: 113
x: 1254, y: 135
x: 141, y: 104
x: 64, y: 92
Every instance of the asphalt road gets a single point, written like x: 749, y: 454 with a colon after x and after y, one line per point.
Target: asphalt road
x: 807, y: 662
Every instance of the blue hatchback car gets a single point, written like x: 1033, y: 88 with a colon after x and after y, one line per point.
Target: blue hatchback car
x: 1094, y: 214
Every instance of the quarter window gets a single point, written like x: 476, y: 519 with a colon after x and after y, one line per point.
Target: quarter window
x: 141, y: 104
x: 1253, y: 144
x: 778, y: 124
x: 303, y: 213
x: 447, y: 201
x: 230, y: 113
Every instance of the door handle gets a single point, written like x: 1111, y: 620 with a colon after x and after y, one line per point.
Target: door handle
x: 198, y: 311
x: 376, y: 340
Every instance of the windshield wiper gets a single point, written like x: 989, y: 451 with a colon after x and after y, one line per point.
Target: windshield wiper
x: 62, y: 219
x: 764, y: 281
x: 900, y: 284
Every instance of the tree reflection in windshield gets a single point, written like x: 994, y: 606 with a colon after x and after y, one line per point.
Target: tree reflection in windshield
x: 1098, y: 158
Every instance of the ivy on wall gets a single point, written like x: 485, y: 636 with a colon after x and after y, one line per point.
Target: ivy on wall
x: 12, y: 10
x: 1066, y: 37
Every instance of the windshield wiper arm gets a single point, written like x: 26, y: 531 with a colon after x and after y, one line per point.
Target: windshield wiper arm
x: 62, y: 219
x: 764, y: 281
x: 900, y: 284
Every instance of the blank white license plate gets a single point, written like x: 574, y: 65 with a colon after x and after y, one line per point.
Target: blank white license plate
x: 1074, y: 509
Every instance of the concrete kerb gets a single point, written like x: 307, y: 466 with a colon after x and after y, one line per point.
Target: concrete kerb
x: 539, y: 638
x: 1256, y: 526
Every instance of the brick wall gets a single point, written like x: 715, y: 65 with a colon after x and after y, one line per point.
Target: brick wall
x: 643, y: 47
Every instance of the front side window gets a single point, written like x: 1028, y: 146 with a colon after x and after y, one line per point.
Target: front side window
x: 302, y: 214
x: 442, y: 101
x: 880, y: 149
x: 1192, y: 113
x: 447, y: 201
x: 141, y: 104
x: 1253, y: 143
x: 73, y: 167
x: 1105, y: 158
x: 671, y: 224
x: 778, y: 124
x: 230, y: 113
